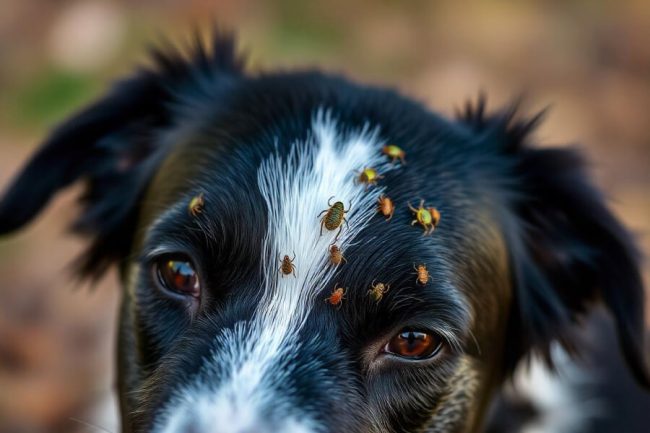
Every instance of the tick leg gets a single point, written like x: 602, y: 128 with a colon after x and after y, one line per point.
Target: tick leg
x: 412, y: 208
x: 321, y: 227
x: 329, y: 201
x: 413, y: 222
x: 322, y: 213
x: 339, y: 232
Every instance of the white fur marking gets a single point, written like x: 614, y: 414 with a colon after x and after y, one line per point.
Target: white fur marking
x: 556, y: 394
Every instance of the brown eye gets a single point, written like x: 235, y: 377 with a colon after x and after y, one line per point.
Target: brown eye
x: 413, y: 344
x: 178, y: 276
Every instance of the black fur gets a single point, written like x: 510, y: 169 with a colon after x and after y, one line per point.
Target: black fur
x: 202, y: 125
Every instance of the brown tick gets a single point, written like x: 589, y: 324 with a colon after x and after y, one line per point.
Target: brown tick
x: 423, y: 275
x: 287, y: 267
x: 386, y: 207
x: 336, y: 256
x: 378, y: 290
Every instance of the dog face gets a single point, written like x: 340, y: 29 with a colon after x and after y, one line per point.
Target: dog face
x: 219, y: 196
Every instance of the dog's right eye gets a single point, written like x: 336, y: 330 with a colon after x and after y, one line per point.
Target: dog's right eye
x: 178, y: 276
x: 414, y: 344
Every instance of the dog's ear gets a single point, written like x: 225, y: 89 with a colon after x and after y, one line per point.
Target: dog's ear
x: 112, y: 146
x: 568, y: 252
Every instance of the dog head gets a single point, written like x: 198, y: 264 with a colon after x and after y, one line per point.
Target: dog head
x: 219, y: 194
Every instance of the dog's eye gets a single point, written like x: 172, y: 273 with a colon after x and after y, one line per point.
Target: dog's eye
x: 178, y: 276
x: 414, y: 344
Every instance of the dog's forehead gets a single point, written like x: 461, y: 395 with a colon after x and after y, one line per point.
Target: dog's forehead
x: 275, y: 201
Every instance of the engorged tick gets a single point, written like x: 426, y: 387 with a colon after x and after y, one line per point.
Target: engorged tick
x: 334, y: 217
x: 196, y: 205
x: 422, y: 274
x: 369, y: 176
x: 385, y: 206
x: 394, y: 153
x: 428, y: 218
x: 336, y: 297
x: 378, y: 290
x: 287, y: 267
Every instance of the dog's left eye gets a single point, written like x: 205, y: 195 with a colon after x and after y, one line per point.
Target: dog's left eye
x: 177, y: 276
x: 414, y: 344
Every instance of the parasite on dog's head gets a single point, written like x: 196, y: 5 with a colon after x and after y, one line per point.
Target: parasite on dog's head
x: 213, y: 340
x: 336, y: 256
x: 369, y: 177
x: 394, y: 153
x: 385, y: 206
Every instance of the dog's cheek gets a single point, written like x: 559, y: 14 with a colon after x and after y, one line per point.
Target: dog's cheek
x: 158, y: 322
x: 457, y: 408
x: 402, y: 397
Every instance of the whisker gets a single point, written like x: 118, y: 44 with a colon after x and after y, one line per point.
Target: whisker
x: 87, y: 424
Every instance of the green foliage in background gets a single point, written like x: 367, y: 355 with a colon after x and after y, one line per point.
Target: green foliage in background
x: 48, y: 97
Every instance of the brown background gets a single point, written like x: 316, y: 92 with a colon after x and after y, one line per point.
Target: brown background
x: 588, y: 60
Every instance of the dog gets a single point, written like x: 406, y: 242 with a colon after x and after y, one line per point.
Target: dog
x: 200, y: 177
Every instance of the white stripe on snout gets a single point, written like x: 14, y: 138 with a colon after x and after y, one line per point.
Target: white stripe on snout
x: 296, y: 187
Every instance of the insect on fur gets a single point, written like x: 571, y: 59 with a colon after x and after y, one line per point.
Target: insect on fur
x: 422, y: 274
x: 334, y: 217
x: 336, y: 256
x: 369, y: 176
x: 196, y: 205
x: 287, y: 267
x: 385, y: 206
x: 394, y: 153
x: 428, y: 218
x: 377, y: 291
x: 336, y: 297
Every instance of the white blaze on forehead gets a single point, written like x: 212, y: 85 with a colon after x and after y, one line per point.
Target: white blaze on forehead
x: 296, y: 188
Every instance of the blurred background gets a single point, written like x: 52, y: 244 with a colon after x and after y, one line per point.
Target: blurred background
x: 588, y: 60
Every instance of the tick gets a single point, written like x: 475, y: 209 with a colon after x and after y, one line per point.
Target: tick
x: 369, y: 176
x: 394, y: 153
x: 336, y: 297
x: 336, y: 256
x: 196, y: 205
x: 385, y: 206
x: 287, y: 267
x: 428, y: 218
x: 334, y: 217
x: 378, y: 290
x: 422, y: 274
